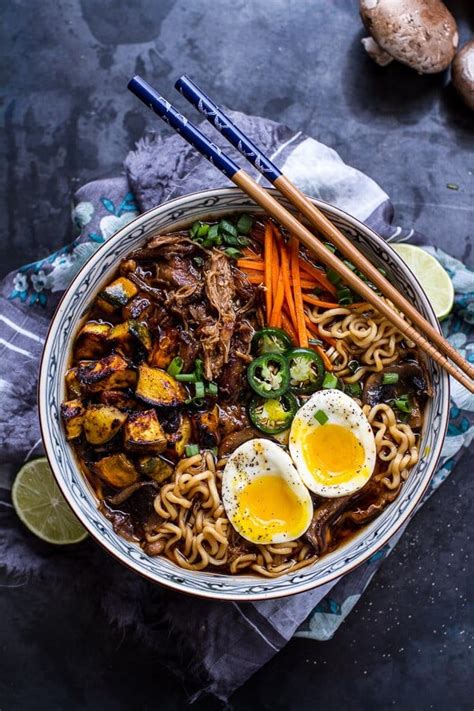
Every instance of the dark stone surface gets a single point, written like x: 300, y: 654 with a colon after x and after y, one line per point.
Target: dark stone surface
x: 69, y: 119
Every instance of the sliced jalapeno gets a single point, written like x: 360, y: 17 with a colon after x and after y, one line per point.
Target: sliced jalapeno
x: 269, y: 375
x: 273, y: 415
x: 271, y: 340
x: 306, y: 370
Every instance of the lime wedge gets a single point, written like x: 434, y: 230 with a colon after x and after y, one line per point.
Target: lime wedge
x: 433, y: 278
x: 41, y: 506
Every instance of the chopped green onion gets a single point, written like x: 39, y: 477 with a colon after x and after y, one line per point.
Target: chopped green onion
x: 198, y: 261
x: 330, y: 246
x: 382, y: 271
x: 233, y: 253
x: 452, y: 186
x: 213, y: 232
x: 353, y: 365
x: 191, y: 450
x: 244, y: 224
x: 330, y: 381
x: 212, y: 389
x: 353, y: 389
x: 175, y: 367
x: 390, y: 378
x: 243, y: 241
x: 212, y: 241
x: 402, y: 403
x: 198, y: 368
x: 315, y: 342
x: 321, y: 417
x: 344, y: 296
x: 227, y: 228
x: 349, y: 265
x: 199, y: 390
x: 186, y: 377
x: 333, y: 276
x: 195, y: 229
x: 214, y: 451
x: 203, y: 229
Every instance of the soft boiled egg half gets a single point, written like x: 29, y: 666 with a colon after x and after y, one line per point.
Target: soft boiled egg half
x: 332, y: 444
x: 263, y: 495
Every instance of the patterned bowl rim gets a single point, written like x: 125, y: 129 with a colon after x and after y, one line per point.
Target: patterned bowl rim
x: 254, y: 588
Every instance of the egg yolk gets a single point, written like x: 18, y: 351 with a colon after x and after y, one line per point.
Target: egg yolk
x: 268, y: 506
x: 333, y: 454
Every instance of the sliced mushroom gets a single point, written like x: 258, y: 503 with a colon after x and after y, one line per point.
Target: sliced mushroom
x: 412, y: 381
x: 462, y: 73
x: 317, y: 532
x: 420, y: 33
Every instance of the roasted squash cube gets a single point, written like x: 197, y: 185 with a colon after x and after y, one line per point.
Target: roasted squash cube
x: 72, y: 413
x: 207, y: 426
x: 91, y: 340
x: 119, y: 292
x: 110, y: 373
x: 158, y: 388
x: 116, y: 470
x: 119, y: 399
x: 143, y: 432
x: 164, y: 349
x: 102, y: 422
x: 141, y: 333
x: 120, y: 333
x: 178, y: 440
x: 156, y: 468
x: 72, y: 383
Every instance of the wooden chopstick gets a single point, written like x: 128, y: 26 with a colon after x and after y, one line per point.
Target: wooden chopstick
x: 206, y: 106
x: 262, y: 197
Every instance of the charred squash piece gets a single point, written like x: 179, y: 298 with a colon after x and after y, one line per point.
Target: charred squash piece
x: 104, y: 307
x: 119, y: 292
x: 158, y: 388
x: 143, y: 432
x: 117, y: 398
x: 156, y: 468
x: 72, y: 413
x: 110, y: 373
x: 102, y: 422
x: 116, y: 470
x: 120, y: 334
x: 207, y: 426
x: 91, y: 340
x: 141, y: 333
x: 178, y: 440
x: 72, y: 383
x: 164, y: 349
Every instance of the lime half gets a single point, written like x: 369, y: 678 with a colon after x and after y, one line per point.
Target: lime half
x: 433, y: 278
x: 41, y: 506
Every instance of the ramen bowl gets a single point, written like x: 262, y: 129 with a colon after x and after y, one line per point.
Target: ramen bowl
x: 70, y: 314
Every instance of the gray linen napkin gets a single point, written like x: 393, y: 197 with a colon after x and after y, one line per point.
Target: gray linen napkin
x: 215, y: 646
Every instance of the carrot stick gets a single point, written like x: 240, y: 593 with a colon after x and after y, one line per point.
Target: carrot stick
x: 327, y: 363
x: 317, y: 274
x: 275, y: 319
x: 313, y: 328
x: 268, y: 256
x: 287, y: 324
x: 275, y: 265
x: 299, y: 308
x: 251, y: 264
x: 285, y: 275
x: 256, y: 279
x: 317, y: 302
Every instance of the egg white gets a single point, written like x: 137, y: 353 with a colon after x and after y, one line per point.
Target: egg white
x: 340, y: 410
x: 253, y: 459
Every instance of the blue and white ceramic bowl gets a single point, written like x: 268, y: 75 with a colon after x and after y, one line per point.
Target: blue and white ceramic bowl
x: 71, y: 311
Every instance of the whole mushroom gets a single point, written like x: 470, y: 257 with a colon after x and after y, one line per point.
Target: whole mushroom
x: 462, y: 73
x: 420, y: 33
